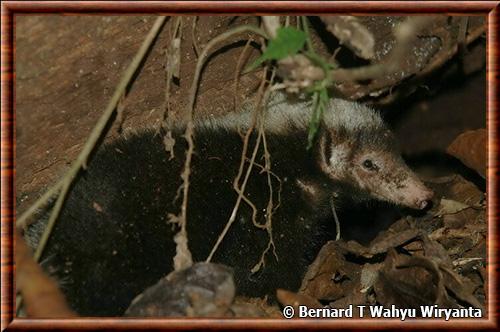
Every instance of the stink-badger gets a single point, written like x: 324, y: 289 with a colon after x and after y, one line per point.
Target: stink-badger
x: 113, y: 238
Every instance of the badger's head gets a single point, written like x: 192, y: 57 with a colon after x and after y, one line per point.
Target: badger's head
x: 356, y: 148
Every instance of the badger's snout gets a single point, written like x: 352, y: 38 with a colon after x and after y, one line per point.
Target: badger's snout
x: 424, y: 198
x: 398, y: 184
x: 415, y: 194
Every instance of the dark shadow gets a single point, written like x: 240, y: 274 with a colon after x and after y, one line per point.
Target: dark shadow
x: 444, y: 164
x: 364, y: 222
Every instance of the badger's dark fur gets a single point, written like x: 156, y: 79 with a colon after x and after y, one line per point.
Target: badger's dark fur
x: 113, y: 238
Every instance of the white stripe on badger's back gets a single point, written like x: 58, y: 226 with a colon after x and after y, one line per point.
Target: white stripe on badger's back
x: 283, y: 114
x: 351, y: 115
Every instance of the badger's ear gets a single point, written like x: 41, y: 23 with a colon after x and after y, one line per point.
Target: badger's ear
x: 334, y: 154
x: 325, y: 145
x: 333, y: 136
x: 339, y: 135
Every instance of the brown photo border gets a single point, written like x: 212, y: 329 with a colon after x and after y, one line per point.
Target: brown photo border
x: 11, y: 8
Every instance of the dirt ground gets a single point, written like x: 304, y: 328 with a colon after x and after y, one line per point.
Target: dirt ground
x: 64, y: 78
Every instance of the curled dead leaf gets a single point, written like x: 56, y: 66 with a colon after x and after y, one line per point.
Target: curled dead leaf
x: 330, y: 276
x: 470, y: 148
x: 411, y: 281
x: 449, y: 206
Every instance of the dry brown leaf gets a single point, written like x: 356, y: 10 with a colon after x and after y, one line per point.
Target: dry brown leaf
x: 295, y: 299
x: 411, y: 281
x: 355, y: 298
x: 465, y: 191
x: 42, y: 297
x: 355, y: 248
x: 369, y: 275
x: 460, y: 233
x: 461, y: 287
x: 248, y: 307
x: 393, y: 240
x: 455, y: 220
x: 470, y: 148
x: 317, y: 281
x: 449, y: 206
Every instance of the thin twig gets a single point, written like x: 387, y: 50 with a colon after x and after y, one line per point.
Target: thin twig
x: 239, y: 65
x: 203, y: 55
x: 25, y: 219
x: 196, y: 48
x: 336, y: 219
x: 305, y: 27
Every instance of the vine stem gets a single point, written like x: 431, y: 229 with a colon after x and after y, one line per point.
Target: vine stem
x: 204, y: 54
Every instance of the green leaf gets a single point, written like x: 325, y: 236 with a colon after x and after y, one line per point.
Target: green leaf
x: 288, y: 41
x: 320, y: 101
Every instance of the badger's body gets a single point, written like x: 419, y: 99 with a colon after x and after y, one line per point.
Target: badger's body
x: 113, y: 238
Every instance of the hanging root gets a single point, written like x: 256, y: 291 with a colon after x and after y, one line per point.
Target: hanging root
x: 240, y: 189
x: 270, y: 209
x: 172, y: 68
x: 336, y: 219
x: 196, y: 48
x: 182, y: 251
x: 242, y: 59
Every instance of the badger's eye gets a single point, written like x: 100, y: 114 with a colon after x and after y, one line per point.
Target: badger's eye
x: 369, y: 165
